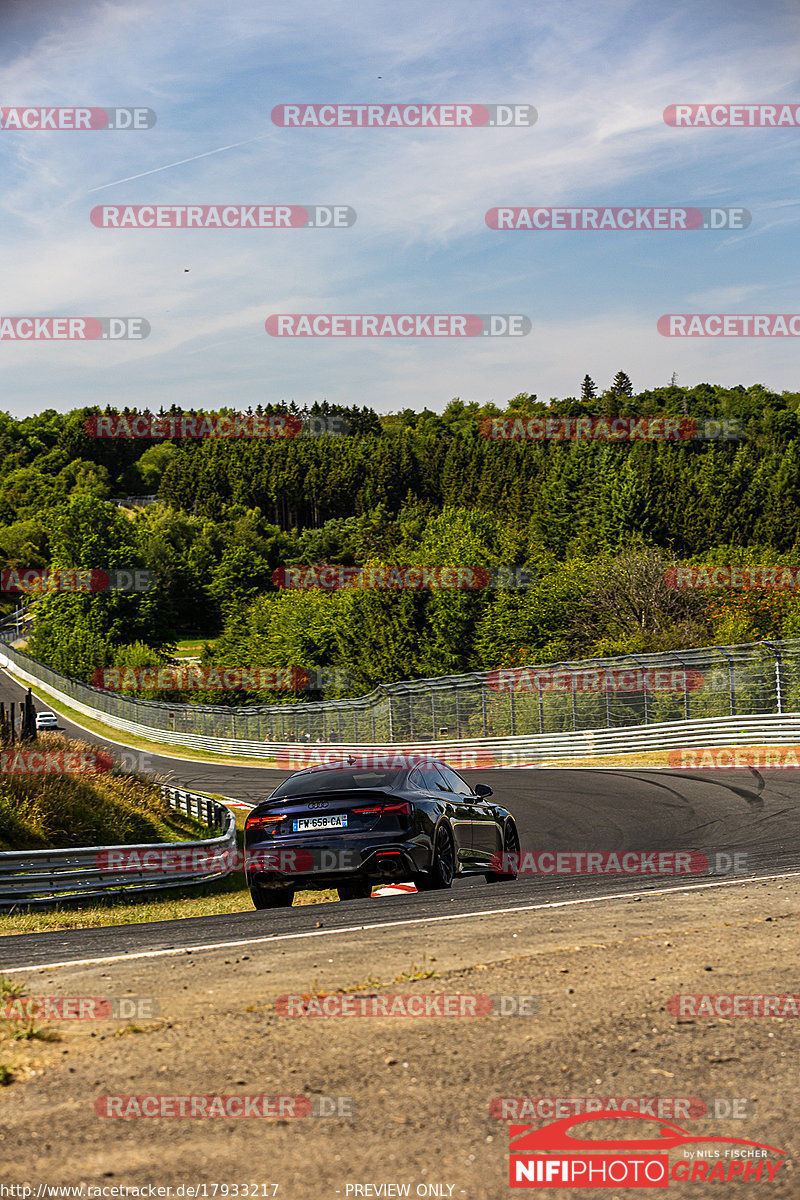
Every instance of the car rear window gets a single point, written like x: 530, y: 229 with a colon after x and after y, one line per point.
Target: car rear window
x: 335, y: 781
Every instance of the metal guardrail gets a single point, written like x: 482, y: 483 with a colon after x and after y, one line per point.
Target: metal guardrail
x: 134, y: 501
x: 46, y: 876
x: 468, y: 754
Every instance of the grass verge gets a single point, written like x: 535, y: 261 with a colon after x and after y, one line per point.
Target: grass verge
x: 56, y: 792
x: 15, y: 1032
x: 191, y: 647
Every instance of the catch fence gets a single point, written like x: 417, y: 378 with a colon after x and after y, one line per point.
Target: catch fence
x: 754, y: 679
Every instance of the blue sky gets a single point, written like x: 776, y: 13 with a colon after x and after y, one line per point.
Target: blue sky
x: 599, y: 74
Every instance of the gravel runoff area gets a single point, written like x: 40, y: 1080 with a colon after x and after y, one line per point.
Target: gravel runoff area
x: 422, y: 1087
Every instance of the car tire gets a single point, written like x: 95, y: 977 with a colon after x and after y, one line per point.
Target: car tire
x: 359, y: 889
x: 443, y: 863
x: 510, y: 846
x: 263, y: 897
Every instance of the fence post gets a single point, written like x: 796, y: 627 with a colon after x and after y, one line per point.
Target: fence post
x: 732, y: 679
x: 779, y: 680
x: 686, y: 670
x: 645, y: 689
x: 779, y: 688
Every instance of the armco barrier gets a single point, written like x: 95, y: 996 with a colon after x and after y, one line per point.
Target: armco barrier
x: 765, y: 676
x: 535, y: 751
x: 46, y: 876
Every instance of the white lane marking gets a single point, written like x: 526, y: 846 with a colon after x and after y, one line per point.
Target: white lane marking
x: 488, y: 912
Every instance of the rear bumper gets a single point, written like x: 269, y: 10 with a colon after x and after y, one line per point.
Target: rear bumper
x: 309, y: 865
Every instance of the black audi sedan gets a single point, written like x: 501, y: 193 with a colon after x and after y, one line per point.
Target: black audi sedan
x: 349, y: 826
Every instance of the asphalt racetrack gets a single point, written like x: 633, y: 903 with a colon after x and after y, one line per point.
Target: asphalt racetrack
x: 723, y: 812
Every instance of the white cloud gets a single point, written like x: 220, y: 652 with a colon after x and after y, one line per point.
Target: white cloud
x: 600, y: 77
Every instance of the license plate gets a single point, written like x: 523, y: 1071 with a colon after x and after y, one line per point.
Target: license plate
x: 329, y: 821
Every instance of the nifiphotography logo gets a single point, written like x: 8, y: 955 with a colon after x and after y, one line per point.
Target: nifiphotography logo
x: 551, y: 1156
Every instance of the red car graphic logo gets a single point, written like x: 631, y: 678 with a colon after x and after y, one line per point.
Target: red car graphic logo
x: 527, y: 1139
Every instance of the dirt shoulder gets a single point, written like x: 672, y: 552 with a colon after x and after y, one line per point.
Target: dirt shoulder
x: 602, y: 972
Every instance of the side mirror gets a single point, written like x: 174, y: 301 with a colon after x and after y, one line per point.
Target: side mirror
x: 482, y: 790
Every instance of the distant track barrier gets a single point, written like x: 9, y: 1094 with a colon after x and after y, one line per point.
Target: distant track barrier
x: 716, y: 695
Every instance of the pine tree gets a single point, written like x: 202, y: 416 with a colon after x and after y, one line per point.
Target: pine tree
x: 610, y: 404
x: 588, y: 388
x: 622, y: 385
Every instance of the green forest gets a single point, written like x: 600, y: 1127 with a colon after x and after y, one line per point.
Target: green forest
x: 594, y: 524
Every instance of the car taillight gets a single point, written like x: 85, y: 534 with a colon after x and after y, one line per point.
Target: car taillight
x: 263, y: 822
x: 402, y: 809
